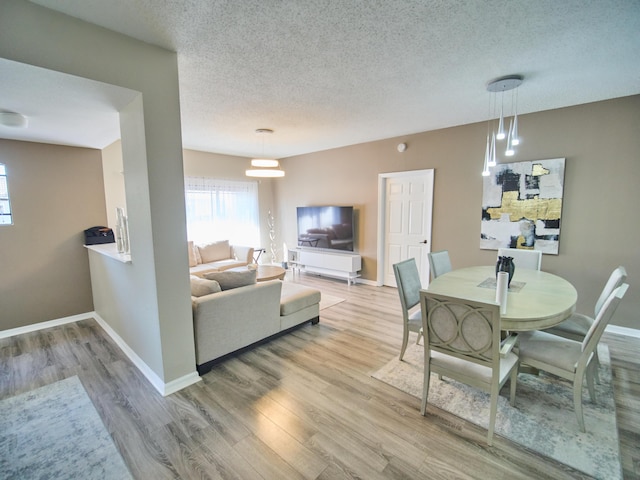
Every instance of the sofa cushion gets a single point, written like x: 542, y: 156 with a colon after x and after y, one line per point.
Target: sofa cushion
x: 193, y: 261
x: 295, y: 297
x: 215, y: 251
x: 226, y: 264
x: 232, y: 279
x: 201, y: 286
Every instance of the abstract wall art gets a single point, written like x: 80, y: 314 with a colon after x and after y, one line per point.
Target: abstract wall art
x: 522, y: 206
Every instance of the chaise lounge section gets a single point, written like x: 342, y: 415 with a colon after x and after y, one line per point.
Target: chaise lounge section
x: 239, y: 316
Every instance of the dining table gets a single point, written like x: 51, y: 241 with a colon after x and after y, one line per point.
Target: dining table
x: 535, y: 299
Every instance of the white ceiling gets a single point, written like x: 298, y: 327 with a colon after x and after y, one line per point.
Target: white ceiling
x: 329, y: 73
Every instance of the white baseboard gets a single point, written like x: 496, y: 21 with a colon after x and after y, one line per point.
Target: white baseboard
x: 164, y: 388
x: 48, y: 324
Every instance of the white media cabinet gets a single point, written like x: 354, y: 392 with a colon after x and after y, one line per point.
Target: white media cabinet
x: 323, y: 262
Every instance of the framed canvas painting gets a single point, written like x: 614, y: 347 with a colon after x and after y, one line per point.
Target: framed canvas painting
x: 522, y: 206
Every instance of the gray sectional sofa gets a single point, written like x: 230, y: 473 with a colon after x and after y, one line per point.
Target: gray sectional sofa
x: 238, y: 316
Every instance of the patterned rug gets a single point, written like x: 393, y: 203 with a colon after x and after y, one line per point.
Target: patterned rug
x: 327, y: 301
x: 56, y: 432
x: 543, y: 419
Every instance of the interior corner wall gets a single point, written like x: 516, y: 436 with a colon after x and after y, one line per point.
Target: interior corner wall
x: 599, y: 228
x: 44, y: 267
x: 113, y: 174
x: 158, y: 274
x: 215, y: 165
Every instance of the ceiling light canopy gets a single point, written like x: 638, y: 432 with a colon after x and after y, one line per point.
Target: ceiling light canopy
x: 501, y: 85
x: 13, y: 119
x: 264, y: 167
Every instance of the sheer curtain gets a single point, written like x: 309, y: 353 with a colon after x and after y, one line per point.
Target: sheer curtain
x: 220, y: 209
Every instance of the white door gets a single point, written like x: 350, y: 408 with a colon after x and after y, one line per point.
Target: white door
x: 407, y: 206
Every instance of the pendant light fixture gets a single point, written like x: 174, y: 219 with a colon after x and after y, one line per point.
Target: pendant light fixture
x: 501, y: 85
x: 264, y: 167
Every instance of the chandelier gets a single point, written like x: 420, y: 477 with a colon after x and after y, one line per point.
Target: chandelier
x: 264, y: 167
x: 495, y: 87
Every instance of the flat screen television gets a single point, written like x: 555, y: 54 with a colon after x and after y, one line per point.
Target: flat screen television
x: 326, y: 227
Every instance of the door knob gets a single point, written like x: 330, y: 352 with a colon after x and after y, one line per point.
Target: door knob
x: 424, y: 241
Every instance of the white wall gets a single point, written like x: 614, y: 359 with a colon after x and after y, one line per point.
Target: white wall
x: 113, y: 174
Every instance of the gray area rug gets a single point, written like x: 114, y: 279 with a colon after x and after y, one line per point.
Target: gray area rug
x: 55, y: 432
x: 543, y: 419
x: 327, y: 301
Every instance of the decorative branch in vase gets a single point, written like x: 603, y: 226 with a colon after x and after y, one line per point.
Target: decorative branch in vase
x: 122, y: 232
x: 272, y: 236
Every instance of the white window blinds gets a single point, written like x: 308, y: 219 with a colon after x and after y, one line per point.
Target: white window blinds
x: 220, y: 209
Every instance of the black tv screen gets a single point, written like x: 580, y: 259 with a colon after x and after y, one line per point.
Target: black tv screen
x: 328, y: 227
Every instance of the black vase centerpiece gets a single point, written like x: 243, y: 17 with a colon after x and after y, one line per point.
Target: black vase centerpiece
x: 505, y: 264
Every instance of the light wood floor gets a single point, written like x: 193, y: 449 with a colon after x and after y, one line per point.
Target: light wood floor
x: 300, y: 407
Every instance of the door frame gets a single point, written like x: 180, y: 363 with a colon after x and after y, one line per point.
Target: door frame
x: 382, y: 203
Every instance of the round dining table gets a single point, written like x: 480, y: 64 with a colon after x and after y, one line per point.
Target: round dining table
x: 535, y: 300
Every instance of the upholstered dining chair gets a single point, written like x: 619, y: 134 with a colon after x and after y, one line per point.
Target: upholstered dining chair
x: 577, y: 325
x: 439, y: 263
x: 408, y: 282
x: 531, y: 259
x: 462, y: 341
x: 567, y: 358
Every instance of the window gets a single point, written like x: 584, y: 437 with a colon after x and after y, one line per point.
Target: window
x: 5, y: 205
x: 222, y: 210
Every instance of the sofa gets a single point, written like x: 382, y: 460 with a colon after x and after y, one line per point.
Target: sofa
x: 217, y: 256
x: 232, y: 312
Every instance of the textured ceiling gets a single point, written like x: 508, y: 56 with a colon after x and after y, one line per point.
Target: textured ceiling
x: 329, y: 73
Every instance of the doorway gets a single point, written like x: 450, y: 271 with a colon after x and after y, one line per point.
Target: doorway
x: 405, y: 208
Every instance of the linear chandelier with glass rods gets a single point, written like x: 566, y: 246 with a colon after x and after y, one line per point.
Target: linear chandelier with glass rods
x: 501, y: 85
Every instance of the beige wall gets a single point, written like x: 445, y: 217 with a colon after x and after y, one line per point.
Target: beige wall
x: 203, y: 164
x: 44, y: 269
x: 601, y: 144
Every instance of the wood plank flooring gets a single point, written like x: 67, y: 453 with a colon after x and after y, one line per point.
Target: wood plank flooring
x: 303, y: 406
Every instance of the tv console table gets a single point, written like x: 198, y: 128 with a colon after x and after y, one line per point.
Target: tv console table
x: 327, y: 263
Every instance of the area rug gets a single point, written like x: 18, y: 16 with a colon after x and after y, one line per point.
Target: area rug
x: 327, y: 301
x: 55, y: 432
x: 543, y: 419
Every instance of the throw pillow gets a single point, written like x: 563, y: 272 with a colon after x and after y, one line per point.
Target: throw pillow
x: 201, y: 286
x: 215, y: 251
x: 229, y: 279
x: 192, y: 254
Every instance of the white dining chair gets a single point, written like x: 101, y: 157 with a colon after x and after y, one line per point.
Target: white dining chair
x: 567, y: 358
x: 439, y: 263
x: 531, y: 259
x: 462, y: 341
